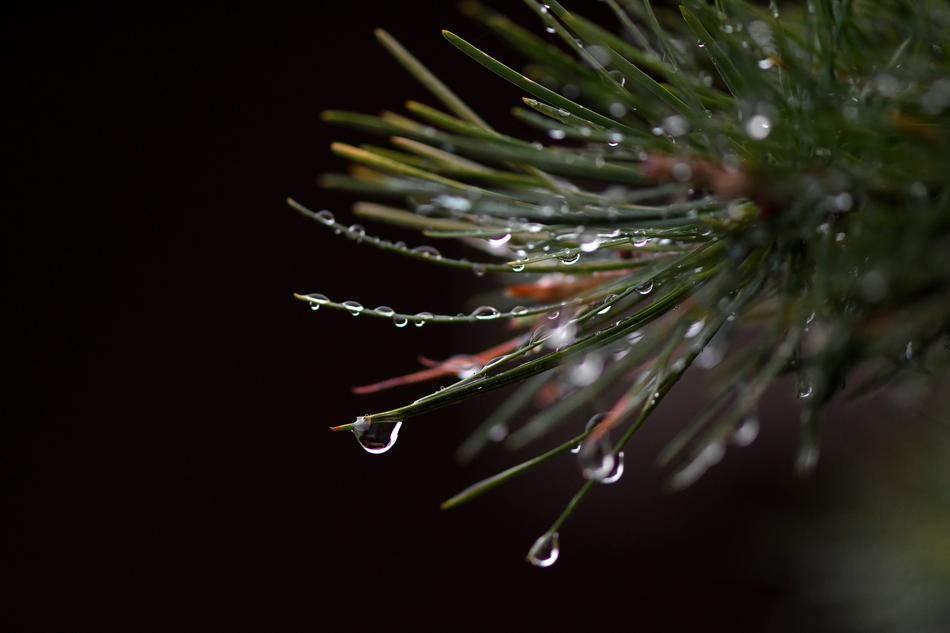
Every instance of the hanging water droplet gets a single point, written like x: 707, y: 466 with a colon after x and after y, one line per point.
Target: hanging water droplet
x: 645, y: 288
x: 639, y: 238
x: 695, y: 328
x: 597, y: 459
x: 545, y: 550
x: 421, y: 318
x: 517, y: 266
x: 617, y: 473
x: 428, y: 251
x: 376, y: 437
x: 353, y: 307
x: 400, y: 321
x: 326, y: 217
x: 317, y: 300
x: 746, y: 433
x: 485, y: 312
x: 758, y: 127
x: 614, y: 139
x: 479, y: 270
x: 700, y: 44
x: 385, y: 311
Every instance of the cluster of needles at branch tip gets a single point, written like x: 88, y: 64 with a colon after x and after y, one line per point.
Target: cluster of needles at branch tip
x: 756, y: 192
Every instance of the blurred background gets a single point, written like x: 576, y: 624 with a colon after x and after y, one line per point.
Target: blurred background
x: 166, y: 416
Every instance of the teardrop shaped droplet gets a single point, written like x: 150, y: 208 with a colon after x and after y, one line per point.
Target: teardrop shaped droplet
x: 353, y: 307
x: 376, y: 437
x: 400, y: 321
x: 597, y: 459
x: 545, y: 550
x: 617, y: 473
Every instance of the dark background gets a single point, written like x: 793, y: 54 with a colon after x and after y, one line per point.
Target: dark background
x: 170, y: 466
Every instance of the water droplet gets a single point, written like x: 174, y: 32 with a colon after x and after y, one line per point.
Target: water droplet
x: 553, y: 316
x: 635, y: 337
x: 545, y: 550
x: 427, y: 251
x: 454, y: 203
x: 676, y: 125
x: 562, y: 336
x: 758, y: 127
x: 587, y: 371
x: 695, y: 328
x: 479, y: 270
x: 700, y: 44
x: 617, y: 110
x: 498, y: 242
x: 326, y: 217
x: 617, y: 473
x: 385, y: 311
x: 400, y: 321
x: 645, y: 288
x: 517, y: 266
x: 639, y: 239
x: 569, y: 257
x: 557, y: 135
x: 485, y: 312
x: 766, y: 63
x: 614, y: 139
x: 498, y: 432
x: 317, y: 300
x: 376, y: 437
x: 596, y: 419
x: 747, y: 431
x: 519, y: 310
x: 421, y: 318
x: 353, y: 307
x: 597, y: 460
x: 682, y: 172
x: 618, y: 76
x: 550, y: 29
x: 356, y: 232
x: 590, y: 245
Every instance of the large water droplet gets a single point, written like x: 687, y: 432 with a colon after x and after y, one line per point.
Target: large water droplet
x: 422, y: 317
x: 545, y: 550
x: 485, y: 312
x: 645, y: 288
x: 639, y: 239
x: 326, y: 217
x: 758, y: 127
x: 517, y: 266
x: 562, y: 336
x: 385, y: 311
x: 376, y: 437
x: 356, y: 232
x: 597, y: 460
x: 400, y: 321
x: 618, y: 76
x: 596, y: 419
x: 617, y: 473
x: 317, y: 300
x: 569, y: 257
x: 519, y: 310
x: 353, y: 307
